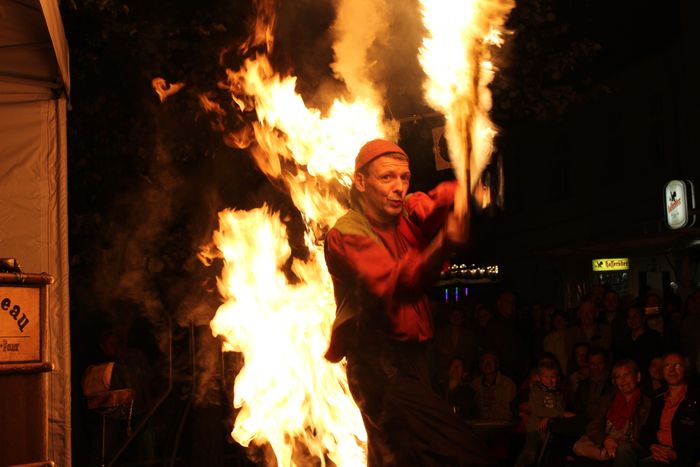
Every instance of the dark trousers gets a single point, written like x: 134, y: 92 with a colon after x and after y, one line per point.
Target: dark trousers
x: 407, y: 423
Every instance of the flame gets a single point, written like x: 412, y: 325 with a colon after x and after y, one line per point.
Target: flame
x: 311, y: 154
x: 278, y: 309
x: 456, y: 58
x: 286, y: 390
x: 163, y: 89
x: 288, y: 393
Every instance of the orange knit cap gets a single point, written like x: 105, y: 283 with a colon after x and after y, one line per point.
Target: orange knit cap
x: 374, y: 149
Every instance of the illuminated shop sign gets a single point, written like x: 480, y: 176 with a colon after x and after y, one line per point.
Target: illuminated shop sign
x: 611, y: 264
x: 679, y: 203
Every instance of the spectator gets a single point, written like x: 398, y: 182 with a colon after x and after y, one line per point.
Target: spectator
x: 555, y: 341
x: 690, y: 333
x: 596, y: 295
x: 459, y: 394
x: 654, y: 312
x: 453, y: 340
x: 542, y: 324
x: 546, y: 402
x: 578, y: 368
x: 589, y: 330
x: 673, y: 330
x: 494, y: 391
x: 655, y: 383
x: 507, y: 338
x: 641, y: 344
x: 672, y: 431
x: 614, y: 317
x: 621, y: 417
x: 483, y: 315
x: 589, y: 397
x: 592, y: 391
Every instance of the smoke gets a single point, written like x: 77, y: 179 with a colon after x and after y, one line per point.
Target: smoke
x: 376, y: 49
x: 397, y: 54
x: 365, y: 49
x: 353, y: 44
x: 127, y: 266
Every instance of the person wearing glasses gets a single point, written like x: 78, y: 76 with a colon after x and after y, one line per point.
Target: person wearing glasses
x: 671, y: 435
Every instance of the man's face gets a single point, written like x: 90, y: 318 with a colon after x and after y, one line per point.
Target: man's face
x: 611, y: 302
x: 549, y: 378
x: 694, y: 303
x: 559, y: 323
x: 483, y: 315
x: 596, y: 364
x: 489, y: 364
x: 456, y: 370
x: 581, y: 356
x: 634, y: 319
x: 506, y: 304
x: 587, y: 313
x: 674, y: 370
x: 626, y: 379
x: 656, y: 369
x: 384, y: 187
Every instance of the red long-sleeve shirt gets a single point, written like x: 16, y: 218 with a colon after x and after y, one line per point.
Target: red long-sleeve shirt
x: 382, y: 269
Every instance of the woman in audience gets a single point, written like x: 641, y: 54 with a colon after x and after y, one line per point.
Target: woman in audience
x: 620, y: 420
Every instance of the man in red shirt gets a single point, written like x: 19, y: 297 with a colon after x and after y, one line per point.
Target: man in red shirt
x: 383, y: 256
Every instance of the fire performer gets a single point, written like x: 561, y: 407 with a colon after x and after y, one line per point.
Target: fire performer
x: 382, y: 256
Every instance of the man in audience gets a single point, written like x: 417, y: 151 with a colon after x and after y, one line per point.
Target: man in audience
x: 577, y: 369
x: 589, y: 330
x: 613, y: 316
x: 671, y: 435
x: 593, y: 390
x: 655, y: 383
x: 494, y: 391
x: 641, y: 344
x: 459, y: 394
x: 590, y: 396
x: 508, y: 337
x: 451, y: 341
x: 690, y: 330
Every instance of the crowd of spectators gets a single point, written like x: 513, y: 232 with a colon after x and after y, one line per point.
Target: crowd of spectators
x: 611, y: 382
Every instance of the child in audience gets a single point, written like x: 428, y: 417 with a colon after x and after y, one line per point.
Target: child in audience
x: 546, y: 402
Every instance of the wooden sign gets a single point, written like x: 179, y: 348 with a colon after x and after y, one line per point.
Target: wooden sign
x: 20, y: 324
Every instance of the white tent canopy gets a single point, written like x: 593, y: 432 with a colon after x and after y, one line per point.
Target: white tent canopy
x: 34, y: 85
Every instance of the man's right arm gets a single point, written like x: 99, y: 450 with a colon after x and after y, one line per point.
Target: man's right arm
x: 359, y: 257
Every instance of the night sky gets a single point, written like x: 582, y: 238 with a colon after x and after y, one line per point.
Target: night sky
x: 146, y: 179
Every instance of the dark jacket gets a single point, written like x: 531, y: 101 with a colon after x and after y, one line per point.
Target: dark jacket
x: 685, y: 427
x: 589, y: 402
x: 596, y: 429
x: 643, y: 349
